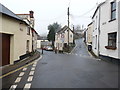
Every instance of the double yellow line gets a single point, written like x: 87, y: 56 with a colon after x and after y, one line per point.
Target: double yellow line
x: 17, y: 69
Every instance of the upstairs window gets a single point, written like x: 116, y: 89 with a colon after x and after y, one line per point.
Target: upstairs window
x: 113, y: 10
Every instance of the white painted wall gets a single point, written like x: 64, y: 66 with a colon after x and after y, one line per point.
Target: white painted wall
x: 59, y: 41
x: 38, y: 44
x: 118, y: 28
x: 95, y: 36
x: 18, y: 37
x: 107, y: 27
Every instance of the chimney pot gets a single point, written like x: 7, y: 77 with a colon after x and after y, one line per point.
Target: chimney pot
x: 31, y: 14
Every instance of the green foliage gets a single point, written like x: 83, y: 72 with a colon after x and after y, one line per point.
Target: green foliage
x: 52, y: 30
x: 51, y: 34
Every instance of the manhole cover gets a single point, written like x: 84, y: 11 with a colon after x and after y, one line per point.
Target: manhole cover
x: 44, y: 62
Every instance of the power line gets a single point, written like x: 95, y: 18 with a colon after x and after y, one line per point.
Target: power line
x: 72, y: 15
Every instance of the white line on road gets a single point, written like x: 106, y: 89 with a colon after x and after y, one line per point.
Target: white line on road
x: 24, y: 69
x: 18, y: 80
x: 13, y: 87
x: 74, y: 48
x: 21, y: 74
x: 33, y: 68
x: 30, y: 78
x: 34, y: 65
x: 27, y: 86
x: 31, y: 73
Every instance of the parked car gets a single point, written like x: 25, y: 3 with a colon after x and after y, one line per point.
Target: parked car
x: 49, y: 48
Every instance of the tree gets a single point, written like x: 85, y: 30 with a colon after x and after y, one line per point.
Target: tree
x: 52, y: 30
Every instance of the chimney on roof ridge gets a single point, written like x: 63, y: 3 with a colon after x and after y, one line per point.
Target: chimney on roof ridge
x: 31, y: 14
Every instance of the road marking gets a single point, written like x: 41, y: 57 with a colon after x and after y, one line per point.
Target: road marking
x: 30, y: 78
x: 21, y: 74
x: 24, y: 69
x: 33, y: 68
x: 18, y: 80
x: 34, y: 65
x: 74, y: 48
x: 31, y: 73
x: 13, y: 87
x: 18, y: 69
x: 27, y: 86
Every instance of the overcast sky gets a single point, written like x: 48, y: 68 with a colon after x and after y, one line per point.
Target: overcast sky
x: 49, y: 11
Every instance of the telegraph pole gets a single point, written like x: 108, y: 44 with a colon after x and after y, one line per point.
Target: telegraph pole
x: 68, y: 27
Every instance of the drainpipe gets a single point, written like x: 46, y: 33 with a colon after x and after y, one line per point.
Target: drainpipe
x: 99, y: 32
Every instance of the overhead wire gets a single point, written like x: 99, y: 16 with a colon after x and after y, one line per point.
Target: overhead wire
x: 83, y: 15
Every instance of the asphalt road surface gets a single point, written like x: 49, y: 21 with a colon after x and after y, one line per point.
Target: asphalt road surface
x: 75, y: 70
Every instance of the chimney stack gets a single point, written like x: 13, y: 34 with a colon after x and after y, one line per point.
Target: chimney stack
x: 31, y: 14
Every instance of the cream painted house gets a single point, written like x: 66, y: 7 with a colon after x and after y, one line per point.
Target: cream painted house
x: 61, y: 38
x: 89, y: 34
x: 29, y: 19
x: 16, y: 37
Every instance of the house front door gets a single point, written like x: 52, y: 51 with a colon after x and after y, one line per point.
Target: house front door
x: 5, y: 49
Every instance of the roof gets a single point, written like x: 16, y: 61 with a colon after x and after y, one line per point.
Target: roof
x: 22, y: 14
x: 90, y: 24
x: 7, y: 12
x: 64, y: 29
x: 97, y: 9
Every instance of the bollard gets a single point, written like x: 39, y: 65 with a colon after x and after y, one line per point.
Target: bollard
x: 42, y: 50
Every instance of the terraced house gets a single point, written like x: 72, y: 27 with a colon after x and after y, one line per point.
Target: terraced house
x: 16, y: 37
x: 106, y: 32
x: 62, y: 38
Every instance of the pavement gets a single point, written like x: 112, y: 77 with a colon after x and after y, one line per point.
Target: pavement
x: 9, y: 68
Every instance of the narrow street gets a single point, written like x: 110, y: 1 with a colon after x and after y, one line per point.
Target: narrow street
x: 75, y: 70
x: 80, y: 49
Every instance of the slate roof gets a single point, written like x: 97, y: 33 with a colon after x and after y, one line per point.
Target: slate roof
x: 6, y: 11
x: 64, y: 29
x: 97, y: 9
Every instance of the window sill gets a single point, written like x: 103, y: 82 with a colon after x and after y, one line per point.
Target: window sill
x: 110, y: 47
x: 112, y: 20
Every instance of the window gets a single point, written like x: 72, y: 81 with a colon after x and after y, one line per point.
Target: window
x: 96, y: 22
x: 113, y: 10
x: 28, y: 30
x: 21, y: 26
x: 112, y: 38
